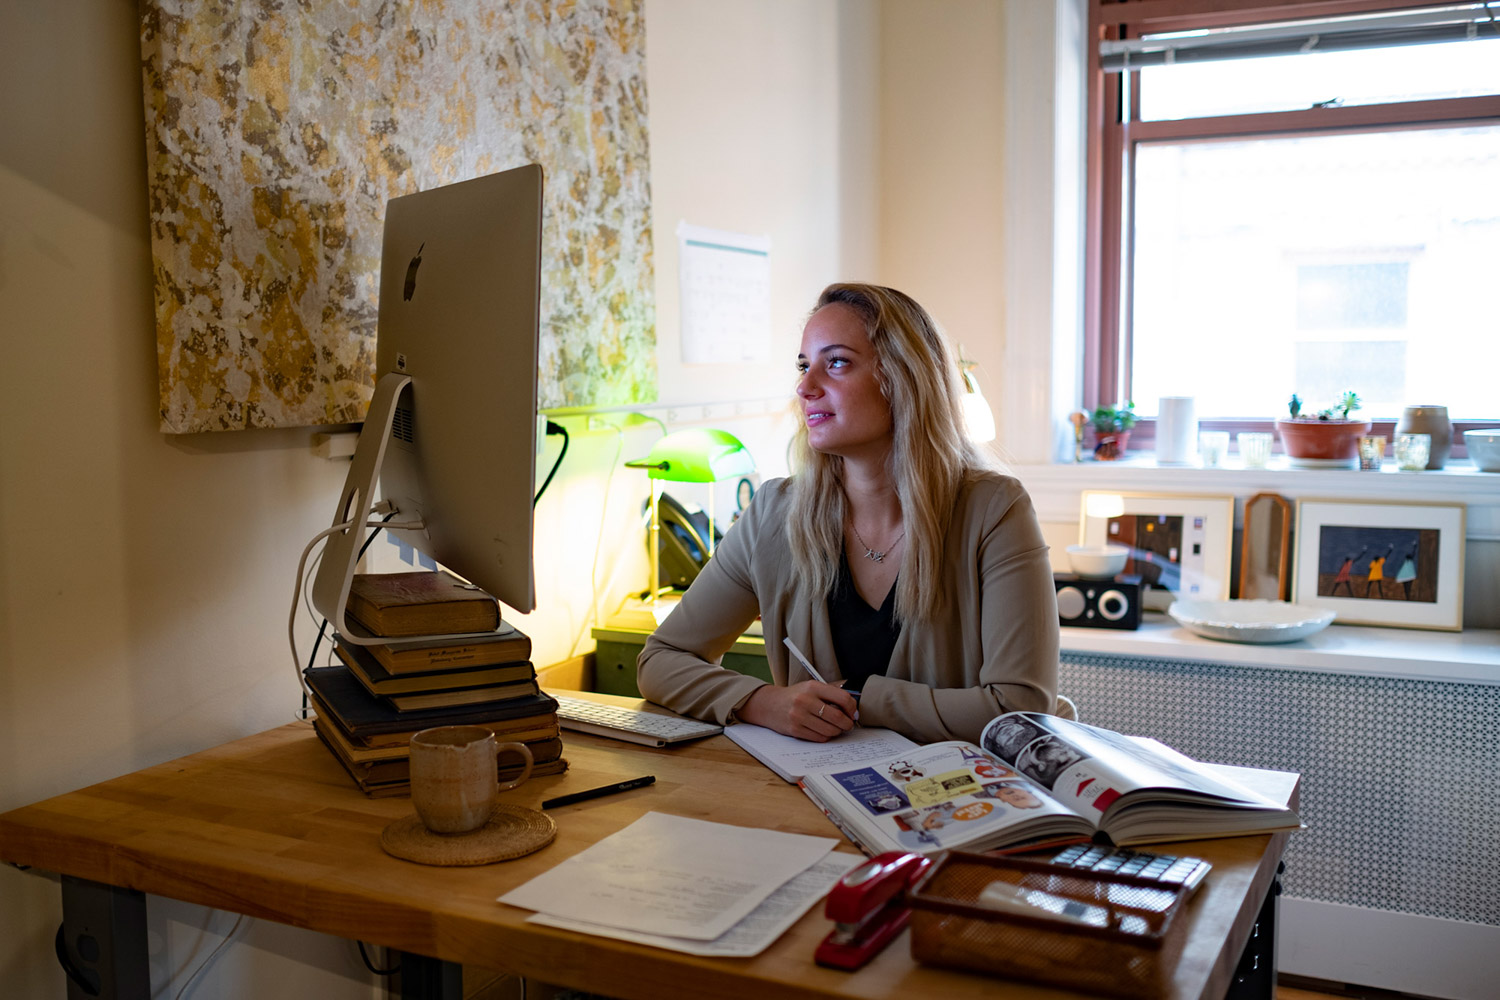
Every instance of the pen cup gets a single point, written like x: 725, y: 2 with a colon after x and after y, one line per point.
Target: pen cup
x: 455, y: 776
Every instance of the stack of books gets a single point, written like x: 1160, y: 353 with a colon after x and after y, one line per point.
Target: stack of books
x: 371, y: 703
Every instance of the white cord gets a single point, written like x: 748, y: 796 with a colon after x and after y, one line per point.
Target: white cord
x: 307, y: 585
x: 291, y: 625
x: 211, y: 956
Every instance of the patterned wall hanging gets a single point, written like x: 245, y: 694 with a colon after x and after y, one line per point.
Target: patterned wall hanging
x: 276, y: 133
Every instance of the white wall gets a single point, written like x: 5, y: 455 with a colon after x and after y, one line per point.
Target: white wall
x: 145, y: 579
x: 942, y: 157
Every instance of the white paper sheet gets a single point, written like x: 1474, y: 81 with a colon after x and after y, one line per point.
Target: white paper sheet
x: 755, y: 932
x: 792, y: 758
x: 670, y: 875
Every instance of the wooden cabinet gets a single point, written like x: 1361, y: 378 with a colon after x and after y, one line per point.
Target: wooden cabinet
x: 618, y: 648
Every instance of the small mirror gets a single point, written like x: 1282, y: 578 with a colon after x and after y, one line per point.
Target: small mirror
x: 1264, y: 548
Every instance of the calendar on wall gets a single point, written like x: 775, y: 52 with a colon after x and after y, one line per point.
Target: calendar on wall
x: 725, y: 281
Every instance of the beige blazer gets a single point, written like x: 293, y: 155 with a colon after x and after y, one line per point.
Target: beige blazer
x: 993, y: 648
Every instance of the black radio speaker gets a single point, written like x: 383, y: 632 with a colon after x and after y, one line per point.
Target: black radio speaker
x: 1109, y: 603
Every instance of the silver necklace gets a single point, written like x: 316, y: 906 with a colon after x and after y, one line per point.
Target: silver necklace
x: 871, y: 553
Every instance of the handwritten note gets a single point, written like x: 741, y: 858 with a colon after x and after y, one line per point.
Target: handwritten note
x: 669, y: 875
x: 792, y: 758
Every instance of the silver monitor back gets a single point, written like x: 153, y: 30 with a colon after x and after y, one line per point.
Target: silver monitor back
x: 453, y: 427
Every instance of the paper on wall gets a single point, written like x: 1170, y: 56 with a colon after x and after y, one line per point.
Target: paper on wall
x: 725, y: 290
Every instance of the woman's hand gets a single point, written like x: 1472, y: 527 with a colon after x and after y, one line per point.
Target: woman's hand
x: 811, y: 710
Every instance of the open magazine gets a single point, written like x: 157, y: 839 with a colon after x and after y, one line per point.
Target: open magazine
x: 1038, y: 779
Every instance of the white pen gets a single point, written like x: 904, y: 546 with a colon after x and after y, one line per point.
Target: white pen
x: 803, y: 660
x: 813, y: 670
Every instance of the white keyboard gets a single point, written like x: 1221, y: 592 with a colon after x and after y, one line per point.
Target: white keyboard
x: 631, y: 724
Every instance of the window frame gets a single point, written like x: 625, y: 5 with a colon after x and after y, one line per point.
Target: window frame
x: 1109, y: 168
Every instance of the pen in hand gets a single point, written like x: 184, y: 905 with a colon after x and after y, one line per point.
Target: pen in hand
x: 806, y: 663
x: 594, y: 793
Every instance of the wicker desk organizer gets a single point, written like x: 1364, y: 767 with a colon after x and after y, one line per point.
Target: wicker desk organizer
x: 1133, y: 955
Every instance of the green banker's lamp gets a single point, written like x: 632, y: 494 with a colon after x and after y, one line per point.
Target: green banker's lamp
x: 691, y: 456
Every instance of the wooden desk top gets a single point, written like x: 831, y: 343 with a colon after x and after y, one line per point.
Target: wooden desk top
x: 271, y: 826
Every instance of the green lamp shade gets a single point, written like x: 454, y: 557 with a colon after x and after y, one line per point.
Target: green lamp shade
x: 697, y: 456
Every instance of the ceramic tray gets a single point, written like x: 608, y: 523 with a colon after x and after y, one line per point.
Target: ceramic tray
x: 1257, y: 621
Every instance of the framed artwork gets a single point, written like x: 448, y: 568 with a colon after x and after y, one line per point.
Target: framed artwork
x: 277, y: 132
x: 1397, y: 564
x: 1178, y: 544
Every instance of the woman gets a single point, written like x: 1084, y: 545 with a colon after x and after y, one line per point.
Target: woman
x: 911, y: 574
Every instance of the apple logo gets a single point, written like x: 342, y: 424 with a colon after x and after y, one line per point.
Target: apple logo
x: 411, y: 275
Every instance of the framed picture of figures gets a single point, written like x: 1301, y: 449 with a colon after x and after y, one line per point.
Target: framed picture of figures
x: 1397, y: 564
x: 1179, y: 545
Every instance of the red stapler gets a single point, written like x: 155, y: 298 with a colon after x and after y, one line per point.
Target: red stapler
x: 868, y: 905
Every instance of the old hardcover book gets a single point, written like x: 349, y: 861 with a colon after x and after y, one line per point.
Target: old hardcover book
x: 506, y: 644
x: 377, y: 680
x: 371, y: 721
x: 386, y: 789
x: 543, y: 751
x: 380, y: 784
x: 362, y: 754
x: 462, y: 696
x: 420, y: 603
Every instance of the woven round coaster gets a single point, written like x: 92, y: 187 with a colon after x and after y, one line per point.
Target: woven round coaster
x: 511, y: 832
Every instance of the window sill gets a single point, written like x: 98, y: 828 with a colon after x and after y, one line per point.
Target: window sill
x: 1471, y: 656
x: 1055, y: 488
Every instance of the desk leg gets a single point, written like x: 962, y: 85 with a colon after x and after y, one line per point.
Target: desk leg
x: 424, y: 978
x: 104, y: 938
x: 1255, y: 977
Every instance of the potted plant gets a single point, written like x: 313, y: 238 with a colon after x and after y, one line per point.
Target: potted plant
x: 1112, y: 430
x: 1328, y: 438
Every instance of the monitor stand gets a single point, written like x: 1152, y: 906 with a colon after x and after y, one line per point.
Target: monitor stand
x: 357, y: 509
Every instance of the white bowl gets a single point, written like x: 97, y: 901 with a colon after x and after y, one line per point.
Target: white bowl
x: 1484, y: 448
x: 1097, y: 562
x: 1257, y: 621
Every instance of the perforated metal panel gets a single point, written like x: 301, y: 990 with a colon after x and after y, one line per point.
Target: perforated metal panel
x: 1400, y: 778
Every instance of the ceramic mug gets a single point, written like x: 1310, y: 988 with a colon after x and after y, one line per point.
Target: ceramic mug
x: 455, y: 777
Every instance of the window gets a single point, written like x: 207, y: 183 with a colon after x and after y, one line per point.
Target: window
x: 1279, y: 207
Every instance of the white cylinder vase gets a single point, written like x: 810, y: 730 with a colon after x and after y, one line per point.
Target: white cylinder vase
x: 1176, y: 430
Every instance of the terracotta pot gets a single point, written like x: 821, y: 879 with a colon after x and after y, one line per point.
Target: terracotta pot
x: 1110, y: 445
x: 1309, y: 441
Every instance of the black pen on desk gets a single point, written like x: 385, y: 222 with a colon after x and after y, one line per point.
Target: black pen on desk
x: 594, y: 793
x: 787, y: 640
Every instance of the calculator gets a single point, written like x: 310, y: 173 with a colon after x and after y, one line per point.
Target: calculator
x: 1169, y: 869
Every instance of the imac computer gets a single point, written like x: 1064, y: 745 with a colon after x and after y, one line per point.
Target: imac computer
x: 452, y: 429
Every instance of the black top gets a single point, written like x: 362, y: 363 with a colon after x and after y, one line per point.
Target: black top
x: 863, y: 637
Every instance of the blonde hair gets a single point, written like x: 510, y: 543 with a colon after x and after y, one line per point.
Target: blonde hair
x: 930, y: 457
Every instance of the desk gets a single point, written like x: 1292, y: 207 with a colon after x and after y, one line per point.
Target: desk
x: 270, y: 826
